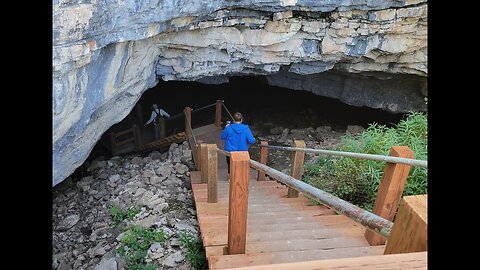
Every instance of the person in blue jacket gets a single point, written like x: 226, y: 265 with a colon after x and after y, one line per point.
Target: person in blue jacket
x: 237, y: 136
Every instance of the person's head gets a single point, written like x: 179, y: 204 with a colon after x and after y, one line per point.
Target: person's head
x: 237, y: 117
x: 154, y: 106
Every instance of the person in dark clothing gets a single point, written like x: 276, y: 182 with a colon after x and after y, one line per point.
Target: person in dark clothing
x: 237, y: 136
x: 155, y: 119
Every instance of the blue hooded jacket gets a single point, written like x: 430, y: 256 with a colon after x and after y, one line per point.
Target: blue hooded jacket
x: 237, y: 137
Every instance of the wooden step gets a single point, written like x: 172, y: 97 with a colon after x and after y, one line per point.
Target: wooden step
x: 285, y: 212
x: 214, y: 230
x: 213, y: 221
x: 179, y: 137
x: 405, y: 261
x: 221, y: 238
x: 241, y: 260
x: 297, y: 245
x: 207, y: 208
x: 216, y: 221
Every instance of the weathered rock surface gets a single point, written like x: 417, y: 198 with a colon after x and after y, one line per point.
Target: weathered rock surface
x: 106, y: 54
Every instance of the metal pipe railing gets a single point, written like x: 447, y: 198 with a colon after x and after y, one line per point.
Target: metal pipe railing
x: 408, y: 161
x: 357, y: 214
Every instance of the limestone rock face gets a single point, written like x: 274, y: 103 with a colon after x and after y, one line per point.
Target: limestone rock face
x: 106, y: 53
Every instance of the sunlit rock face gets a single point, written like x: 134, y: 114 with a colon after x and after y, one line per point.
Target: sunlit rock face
x: 107, y: 53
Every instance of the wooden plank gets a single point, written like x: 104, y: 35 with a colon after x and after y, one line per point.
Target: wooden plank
x: 188, y: 120
x: 257, y: 199
x: 390, y: 190
x: 302, y: 244
x: 407, y: 261
x: 314, y: 211
x: 255, y: 208
x: 212, y: 173
x: 238, y: 202
x: 296, y: 168
x: 218, y: 113
x: 132, y: 139
x: 203, y: 161
x: 240, y: 260
x: 263, y: 160
x: 215, y: 220
x: 215, y: 250
x: 258, y: 219
x: 321, y: 222
x: 267, y: 194
x: 409, y: 232
x: 221, y: 238
x: 123, y: 132
x: 257, y: 185
x: 195, y: 177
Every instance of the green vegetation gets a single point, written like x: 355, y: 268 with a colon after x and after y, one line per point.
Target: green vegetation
x: 135, y: 244
x: 118, y: 215
x: 356, y: 180
x: 195, y: 253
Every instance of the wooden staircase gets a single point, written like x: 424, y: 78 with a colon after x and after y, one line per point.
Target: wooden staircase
x: 279, y: 229
x: 162, y: 143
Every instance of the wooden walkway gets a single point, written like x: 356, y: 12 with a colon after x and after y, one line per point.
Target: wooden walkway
x: 283, y: 230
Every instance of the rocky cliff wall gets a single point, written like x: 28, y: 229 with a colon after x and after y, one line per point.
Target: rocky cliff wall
x: 106, y: 53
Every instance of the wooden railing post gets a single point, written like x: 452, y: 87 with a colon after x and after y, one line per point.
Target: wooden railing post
x: 211, y: 173
x: 296, y: 169
x: 188, y: 119
x: 390, y: 190
x: 161, y: 122
x: 198, y: 152
x: 263, y: 159
x: 238, y: 202
x: 409, y: 232
x: 218, y: 113
x: 203, y: 164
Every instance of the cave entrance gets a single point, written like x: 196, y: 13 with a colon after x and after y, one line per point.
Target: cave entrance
x: 264, y: 107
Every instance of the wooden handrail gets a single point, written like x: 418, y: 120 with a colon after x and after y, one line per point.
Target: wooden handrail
x: 114, y: 136
x: 123, y: 132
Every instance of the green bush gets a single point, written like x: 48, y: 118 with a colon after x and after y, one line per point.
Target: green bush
x: 356, y: 180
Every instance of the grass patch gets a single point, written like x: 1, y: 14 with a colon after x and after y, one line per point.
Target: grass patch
x: 356, y: 180
x: 135, y: 244
x: 195, y: 252
x: 117, y: 215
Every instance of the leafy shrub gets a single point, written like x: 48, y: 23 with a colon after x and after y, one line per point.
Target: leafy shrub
x: 356, y: 180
